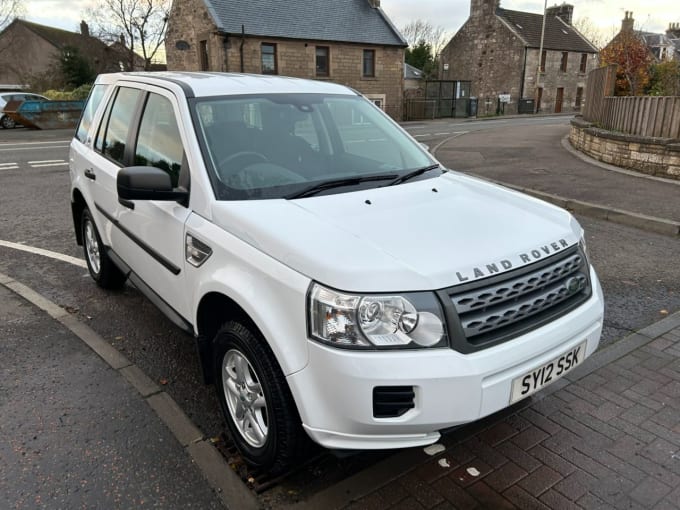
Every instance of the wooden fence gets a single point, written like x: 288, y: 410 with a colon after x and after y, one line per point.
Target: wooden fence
x: 600, y: 85
x: 650, y: 116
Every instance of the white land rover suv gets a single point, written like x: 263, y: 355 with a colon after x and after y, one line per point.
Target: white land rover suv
x: 340, y: 283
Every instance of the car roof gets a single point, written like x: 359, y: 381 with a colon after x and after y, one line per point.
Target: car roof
x: 4, y: 95
x: 204, y: 84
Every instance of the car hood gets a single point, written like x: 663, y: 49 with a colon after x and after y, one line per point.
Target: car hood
x: 423, y: 235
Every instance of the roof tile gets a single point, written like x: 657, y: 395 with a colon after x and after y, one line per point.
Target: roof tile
x: 558, y: 34
x: 324, y: 20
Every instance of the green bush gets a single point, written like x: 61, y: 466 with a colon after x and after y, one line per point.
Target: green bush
x: 71, y: 95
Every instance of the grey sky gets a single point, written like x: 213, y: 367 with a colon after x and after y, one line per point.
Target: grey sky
x: 653, y: 16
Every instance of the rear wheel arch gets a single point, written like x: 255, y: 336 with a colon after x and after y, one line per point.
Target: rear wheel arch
x: 78, y: 204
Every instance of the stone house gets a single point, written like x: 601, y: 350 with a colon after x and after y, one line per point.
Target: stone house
x: 499, y: 51
x: 346, y: 41
x: 29, y: 51
x: 663, y: 46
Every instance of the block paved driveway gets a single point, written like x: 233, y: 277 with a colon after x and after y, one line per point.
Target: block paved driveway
x: 609, y: 438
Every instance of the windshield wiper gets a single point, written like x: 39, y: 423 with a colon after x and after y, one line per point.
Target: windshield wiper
x: 338, y: 183
x: 411, y: 175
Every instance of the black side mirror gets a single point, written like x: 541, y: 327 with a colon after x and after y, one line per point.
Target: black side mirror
x: 147, y: 183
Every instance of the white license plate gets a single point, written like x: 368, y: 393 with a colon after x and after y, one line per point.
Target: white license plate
x: 533, y: 381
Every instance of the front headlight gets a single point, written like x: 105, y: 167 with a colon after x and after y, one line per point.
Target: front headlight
x: 375, y: 321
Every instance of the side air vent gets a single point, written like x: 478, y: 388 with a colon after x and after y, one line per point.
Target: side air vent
x: 392, y: 401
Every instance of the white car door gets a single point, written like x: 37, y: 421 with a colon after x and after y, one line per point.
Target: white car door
x: 149, y: 234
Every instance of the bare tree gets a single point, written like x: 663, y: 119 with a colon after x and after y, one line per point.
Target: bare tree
x: 9, y: 9
x: 591, y: 32
x: 138, y: 24
x: 419, y: 30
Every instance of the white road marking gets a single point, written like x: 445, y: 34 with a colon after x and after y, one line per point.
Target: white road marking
x: 8, y: 164
x: 47, y: 161
x: 45, y: 253
x: 420, y: 136
x: 439, y: 134
x: 14, y: 167
x: 33, y: 148
x: 49, y: 164
x: 7, y: 144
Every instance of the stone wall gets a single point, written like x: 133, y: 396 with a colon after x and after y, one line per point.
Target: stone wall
x: 191, y: 22
x: 490, y: 55
x: 485, y: 52
x: 653, y: 156
x: 552, y: 79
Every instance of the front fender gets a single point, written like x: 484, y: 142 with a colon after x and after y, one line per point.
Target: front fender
x: 272, y: 294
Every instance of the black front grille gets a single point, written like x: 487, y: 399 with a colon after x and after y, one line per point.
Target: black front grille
x: 392, y: 401
x: 499, y: 308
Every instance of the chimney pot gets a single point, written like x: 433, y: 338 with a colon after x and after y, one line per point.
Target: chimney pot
x: 84, y: 29
x: 628, y: 22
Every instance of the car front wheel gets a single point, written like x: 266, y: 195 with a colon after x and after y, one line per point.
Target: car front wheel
x: 257, y: 404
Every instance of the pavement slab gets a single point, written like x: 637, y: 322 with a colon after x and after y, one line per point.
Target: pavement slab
x: 587, y: 445
x: 74, y: 434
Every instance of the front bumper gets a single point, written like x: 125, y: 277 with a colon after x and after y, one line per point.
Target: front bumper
x: 334, y: 392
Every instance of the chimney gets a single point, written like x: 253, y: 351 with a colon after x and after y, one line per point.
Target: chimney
x: 122, y: 39
x: 628, y: 22
x: 565, y: 12
x: 374, y: 3
x: 673, y: 30
x: 84, y: 29
x: 483, y: 8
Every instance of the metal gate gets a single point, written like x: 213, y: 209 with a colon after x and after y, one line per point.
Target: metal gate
x: 450, y: 98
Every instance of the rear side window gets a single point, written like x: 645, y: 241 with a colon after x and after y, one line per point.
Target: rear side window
x: 159, y: 143
x: 118, y: 124
x: 96, y: 95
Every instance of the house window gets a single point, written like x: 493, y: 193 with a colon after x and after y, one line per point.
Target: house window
x: 543, y: 57
x: 584, y: 62
x: 369, y: 63
x: 203, y: 55
x: 563, y: 64
x: 377, y: 99
x: 579, y: 98
x: 322, y: 60
x: 268, y: 58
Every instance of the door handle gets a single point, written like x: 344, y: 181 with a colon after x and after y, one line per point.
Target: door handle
x: 89, y: 173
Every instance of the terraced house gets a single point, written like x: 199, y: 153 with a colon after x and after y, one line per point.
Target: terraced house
x: 499, y: 51
x: 345, y: 41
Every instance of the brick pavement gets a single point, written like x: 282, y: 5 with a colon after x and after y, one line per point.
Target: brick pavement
x: 608, y: 438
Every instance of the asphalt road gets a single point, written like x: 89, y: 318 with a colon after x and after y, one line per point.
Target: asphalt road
x: 637, y: 269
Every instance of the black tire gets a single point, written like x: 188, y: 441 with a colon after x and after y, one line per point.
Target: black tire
x: 285, y: 441
x: 7, y: 122
x: 101, y: 267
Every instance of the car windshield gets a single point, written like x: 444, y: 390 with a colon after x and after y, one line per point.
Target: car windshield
x: 294, y: 145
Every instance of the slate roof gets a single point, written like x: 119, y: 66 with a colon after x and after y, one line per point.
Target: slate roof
x: 655, y: 41
x: 61, y: 38
x: 558, y: 34
x: 412, y: 73
x: 323, y: 20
